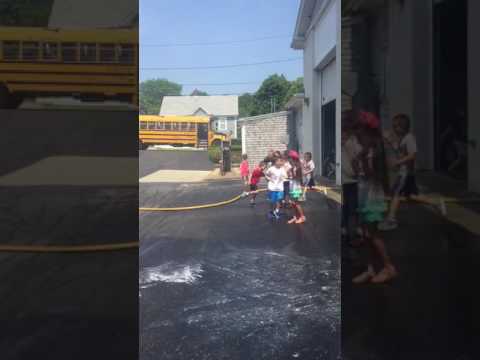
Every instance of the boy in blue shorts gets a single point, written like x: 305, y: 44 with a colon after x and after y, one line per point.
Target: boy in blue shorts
x: 275, y: 176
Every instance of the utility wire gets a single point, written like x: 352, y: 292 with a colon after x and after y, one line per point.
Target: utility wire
x: 218, y: 42
x: 220, y: 66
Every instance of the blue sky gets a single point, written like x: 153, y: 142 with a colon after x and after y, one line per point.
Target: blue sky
x: 205, y: 21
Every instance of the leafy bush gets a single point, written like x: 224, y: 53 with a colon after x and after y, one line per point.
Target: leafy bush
x: 214, y: 154
x: 236, y: 147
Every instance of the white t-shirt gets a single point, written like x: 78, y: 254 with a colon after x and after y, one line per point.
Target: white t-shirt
x: 277, y: 177
x: 308, y: 166
x: 407, y: 146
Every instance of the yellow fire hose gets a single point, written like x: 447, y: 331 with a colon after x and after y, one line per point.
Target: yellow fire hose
x: 68, y: 248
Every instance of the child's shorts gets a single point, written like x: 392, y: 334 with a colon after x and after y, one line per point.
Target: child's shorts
x: 275, y: 196
x: 308, y: 180
x: 253, y: 187
x: 405, y: 185
x: 295, y: 190
x: 286, y: 187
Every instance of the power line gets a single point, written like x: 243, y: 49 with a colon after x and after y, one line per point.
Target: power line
x: 219, y: 42
x: 221, y: 66
x: 224, y: 84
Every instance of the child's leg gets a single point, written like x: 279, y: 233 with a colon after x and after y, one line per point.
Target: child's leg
x: 300, y: 214
x: 379, y: 250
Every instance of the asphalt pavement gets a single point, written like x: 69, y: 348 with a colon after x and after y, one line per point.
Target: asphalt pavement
x: 229, y: 283
x: 153, y: 160
x: 431, y: 310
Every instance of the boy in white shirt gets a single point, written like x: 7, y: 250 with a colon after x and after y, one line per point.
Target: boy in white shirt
x: 275, y: 176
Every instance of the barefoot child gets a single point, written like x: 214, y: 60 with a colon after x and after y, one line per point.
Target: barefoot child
x: 372, y: 185
x: 244, y: 170
x: 296, y: 188
x: 255, y: 177
x: 275, y: 176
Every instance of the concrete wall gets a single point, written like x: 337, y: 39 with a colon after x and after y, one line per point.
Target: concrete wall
x: 264, y: 133
x: 473, y: 91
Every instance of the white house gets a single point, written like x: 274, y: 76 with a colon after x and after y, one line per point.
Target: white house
x: 94, y: 14
x: 317, y: 33
x: 223, y: 110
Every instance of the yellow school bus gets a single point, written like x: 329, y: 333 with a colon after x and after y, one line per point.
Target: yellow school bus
x: 177, y: 130
x: 95, y: 65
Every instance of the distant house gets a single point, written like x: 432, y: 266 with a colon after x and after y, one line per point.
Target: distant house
x: 223, y: 110
x: 94, y: 14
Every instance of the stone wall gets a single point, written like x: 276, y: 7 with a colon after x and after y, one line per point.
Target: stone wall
x: 266, y: 132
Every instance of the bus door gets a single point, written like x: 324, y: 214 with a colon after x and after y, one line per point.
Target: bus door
x: 202, y: 135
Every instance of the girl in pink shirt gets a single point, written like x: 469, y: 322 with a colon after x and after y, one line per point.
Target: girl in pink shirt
x: 244, y: 169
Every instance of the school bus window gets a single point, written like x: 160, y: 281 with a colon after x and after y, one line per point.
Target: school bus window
x: 107, y: 53
x: 69, y: 52
x: 50, y: 51
x: 88, y: 52
x: 151, y: 125
x: 168, y: 126
x: 160, y: 125
x: 30, y: 51
x: 125, y: 53
x: 185, y: 126
x: 11, y: 50
x: 143, y: 125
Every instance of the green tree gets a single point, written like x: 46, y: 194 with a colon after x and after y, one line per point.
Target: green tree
x: 271, y: 96
x: 246, y: 105
x: 197, y: 92
x: 296, y: 87
x: 152, y: 92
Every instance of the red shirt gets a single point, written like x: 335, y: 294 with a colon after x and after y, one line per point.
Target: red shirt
x: 257, y: 173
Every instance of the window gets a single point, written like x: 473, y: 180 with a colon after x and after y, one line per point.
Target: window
x: 107, y: 53
x: 222, y: 124
x: 160, y: 125
x: 125, y: 53
x: 88, y: 52
x: 143, y: 125
x: 151, y: 125
x: 11, y: 50
x: 30, y: 51
x: 50, y: 51
x: 185, y: 126
x: 168, y: 126
x: 69, y: 52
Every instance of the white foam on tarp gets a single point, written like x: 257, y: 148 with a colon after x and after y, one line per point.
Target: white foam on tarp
x: 170, y: 273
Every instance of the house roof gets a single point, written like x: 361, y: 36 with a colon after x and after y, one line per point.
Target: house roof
x: 94, y: 14
x: 226, y: 105
x: 304, y: 18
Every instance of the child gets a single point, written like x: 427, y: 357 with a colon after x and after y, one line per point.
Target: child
x: 257, y: 173
x: 405, y: 145
x: 286, y: 183
x: 275, y: 176
x: 350, y: 151
x: 371, y: 201
x: 244, y: 169
x: 308, y: 169
x: 296, y: 188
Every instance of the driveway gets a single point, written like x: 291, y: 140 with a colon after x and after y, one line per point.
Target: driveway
x: 154, y: 160
x: 228, y: 283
